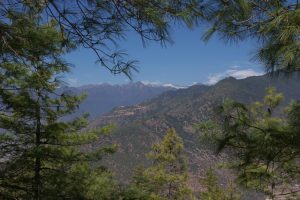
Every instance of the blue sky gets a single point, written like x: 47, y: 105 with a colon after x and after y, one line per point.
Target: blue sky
x: 188, y: 60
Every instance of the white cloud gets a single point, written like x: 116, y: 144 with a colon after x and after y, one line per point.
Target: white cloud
x: 235, y: 67
x: 212, y: 79
x: 174, y: 86
x: 235, y: 72
x: 72, y: 81
x: 151, y: 82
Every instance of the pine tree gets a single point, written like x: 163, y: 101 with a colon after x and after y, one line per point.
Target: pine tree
x: 265, y: 139
x: 213, y: 191
x: 274, y: 24
x: 266, y: 142
x: 41, y: 154
x: 211, y: 184
x: 167, y: 177
x: 99, y: 25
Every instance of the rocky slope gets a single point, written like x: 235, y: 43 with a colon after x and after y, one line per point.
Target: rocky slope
x: 139, y: 126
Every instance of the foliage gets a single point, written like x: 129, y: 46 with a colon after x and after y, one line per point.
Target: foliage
x: 99, y: 24
x: 275, y: 24
x: 214, y: 192
x: 41, y: 155
x: 167, y: 177
x: 208, y: 134
x: 266, y: 142
x: 265, y: 138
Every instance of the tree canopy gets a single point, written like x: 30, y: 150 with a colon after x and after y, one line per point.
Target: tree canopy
x: 213, y: 190
x: 275, y: 24
x: 167, y: 177
x: 99, y: 24
x: 41, y: 154
x: 264, y: 137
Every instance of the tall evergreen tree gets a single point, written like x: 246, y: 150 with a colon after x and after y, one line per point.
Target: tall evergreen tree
x: 167, y: 177
x: 213, y: 190
x: 268, y: 144
x: 265, y: 141
x: 41, y: 155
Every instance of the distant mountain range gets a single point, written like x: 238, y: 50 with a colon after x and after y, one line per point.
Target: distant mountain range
x: 140, y: 125
x: 104, y: 97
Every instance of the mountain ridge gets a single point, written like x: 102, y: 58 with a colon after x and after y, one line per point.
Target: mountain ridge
x: 141, y: 125
x: 102, y: 98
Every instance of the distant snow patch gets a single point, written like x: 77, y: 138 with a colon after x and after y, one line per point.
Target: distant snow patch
x: 158, y: 83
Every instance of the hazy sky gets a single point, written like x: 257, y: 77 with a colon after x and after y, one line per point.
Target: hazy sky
x: 188, y: 60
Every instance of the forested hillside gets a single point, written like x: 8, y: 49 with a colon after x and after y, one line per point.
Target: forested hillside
x: 141, y: 125
x: 237, y: 139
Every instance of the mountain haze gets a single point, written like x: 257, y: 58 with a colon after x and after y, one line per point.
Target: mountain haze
x: 141, y: 125
x: 104, y: 97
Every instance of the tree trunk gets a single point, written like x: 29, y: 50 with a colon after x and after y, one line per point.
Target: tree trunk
x: 37, y: 176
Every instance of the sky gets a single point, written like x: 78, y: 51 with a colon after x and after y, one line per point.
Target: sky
x: 188, y: 60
